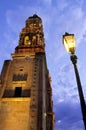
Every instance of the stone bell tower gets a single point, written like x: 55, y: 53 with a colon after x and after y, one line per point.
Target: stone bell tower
x: 25, y: 89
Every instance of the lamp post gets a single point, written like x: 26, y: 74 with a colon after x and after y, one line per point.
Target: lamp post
x: 69, y: 43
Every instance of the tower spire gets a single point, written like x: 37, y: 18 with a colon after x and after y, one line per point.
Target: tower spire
x: 32, y: 36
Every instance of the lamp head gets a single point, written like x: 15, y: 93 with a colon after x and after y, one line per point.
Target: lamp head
x: 69, y: 42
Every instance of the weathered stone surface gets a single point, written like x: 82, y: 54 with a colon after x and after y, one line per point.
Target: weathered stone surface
x: 15, y: 114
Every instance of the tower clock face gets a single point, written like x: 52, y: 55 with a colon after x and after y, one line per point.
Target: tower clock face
x: 27, y: 58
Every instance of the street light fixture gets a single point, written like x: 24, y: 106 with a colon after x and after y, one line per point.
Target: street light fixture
x: 69, y: 42
x: 70, y: 45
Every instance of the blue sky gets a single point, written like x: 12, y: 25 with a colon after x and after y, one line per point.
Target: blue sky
x: 58, y: 16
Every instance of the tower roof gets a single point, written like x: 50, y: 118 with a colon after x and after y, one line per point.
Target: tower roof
x: 35, y: 16
x: 32, y: 36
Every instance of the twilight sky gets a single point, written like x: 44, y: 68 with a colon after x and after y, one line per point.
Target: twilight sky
x: 58, y: 16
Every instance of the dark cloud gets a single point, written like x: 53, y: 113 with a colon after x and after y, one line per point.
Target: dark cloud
x: 68, y: 116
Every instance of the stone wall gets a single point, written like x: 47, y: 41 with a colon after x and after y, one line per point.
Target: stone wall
x: 14, y: 114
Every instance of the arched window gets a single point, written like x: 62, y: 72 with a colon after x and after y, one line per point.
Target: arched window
x: 34, y: 40
x: 26, y: 40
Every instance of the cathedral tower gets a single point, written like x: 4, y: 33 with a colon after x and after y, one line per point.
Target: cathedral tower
x: 25, y: 89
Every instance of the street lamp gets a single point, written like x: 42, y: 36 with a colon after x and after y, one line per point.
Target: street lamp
x: 70, y: 45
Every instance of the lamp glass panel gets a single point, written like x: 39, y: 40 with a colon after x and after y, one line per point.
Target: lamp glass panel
x: 69, y: 43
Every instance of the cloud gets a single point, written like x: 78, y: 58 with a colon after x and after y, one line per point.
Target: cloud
x: 80, y: 2
x: 47, y: 2
x: 68, y: 116
x: 66, y: 100
x: 64, y: 83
